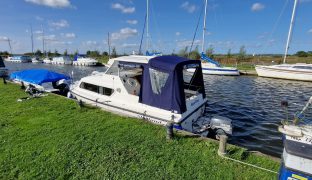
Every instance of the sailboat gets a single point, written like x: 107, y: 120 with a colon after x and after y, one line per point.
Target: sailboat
x: 299, y: 71
x: 210, y: 66
x: 34, y: 59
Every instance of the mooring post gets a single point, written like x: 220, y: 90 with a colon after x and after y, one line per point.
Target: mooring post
x: 23, y: 85
x: 169, y: 130
x: 4, y: 81
x: 222, y: 145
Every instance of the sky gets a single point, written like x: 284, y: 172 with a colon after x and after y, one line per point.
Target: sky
x: 80, y: 25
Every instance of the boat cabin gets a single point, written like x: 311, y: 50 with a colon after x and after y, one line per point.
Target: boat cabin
x: 162, y: 82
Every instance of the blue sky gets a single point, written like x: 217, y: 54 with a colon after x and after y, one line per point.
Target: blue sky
x: 260, y: 25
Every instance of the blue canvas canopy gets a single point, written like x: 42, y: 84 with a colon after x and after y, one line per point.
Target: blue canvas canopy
x: 163, y: 84
x: 38, y: 76
x: 208, y: 59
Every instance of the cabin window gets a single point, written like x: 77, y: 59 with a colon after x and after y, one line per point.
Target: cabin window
x: 97, y: 89
x: 158, y: 80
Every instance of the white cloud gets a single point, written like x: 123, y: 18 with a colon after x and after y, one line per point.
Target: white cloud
x: 90, y: 43
x: 257, y: 7
x: 123, y: 9
x: 188, y: 43
x: 310, y: 31
x: 38, y: 32
x: 133, y: 22
x: 3, y: 38
x: 51, y: 37
x: 69, y: 35
x: 124, y: 33
x: 127, y: 45
x: 188, y: 7
x: 177, y: 33
x: 60, y: 24
x: 51, y: 3
x: 39, y: 18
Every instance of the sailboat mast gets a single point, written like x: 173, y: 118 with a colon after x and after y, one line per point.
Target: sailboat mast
x: 290, y: 30
x: 204, y: 29
x: 9, y: 41
x: 147, y: 29
x: 42, y: 39
x: 32, y: 39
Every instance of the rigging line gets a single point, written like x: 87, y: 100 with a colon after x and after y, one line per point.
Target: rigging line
x: 140, y: 49
x: 276, y: 24
x: 200, y: 15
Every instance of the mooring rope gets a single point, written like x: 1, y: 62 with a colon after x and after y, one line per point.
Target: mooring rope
x: 255, y: 166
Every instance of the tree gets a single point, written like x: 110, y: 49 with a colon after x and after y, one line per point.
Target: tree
x: 302, y: 54
x: 38, y: 53
x: 229, y: 53
x: 105, y: 53
x: 56, y: 53
x: 183, y: 52
x: 210, y: 51
x: 65, y: 52
x: 114, y: 53
x: 194, y: 54
x: 242, y: 53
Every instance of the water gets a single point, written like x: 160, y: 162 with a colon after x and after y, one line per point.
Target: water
x: 253, y: 103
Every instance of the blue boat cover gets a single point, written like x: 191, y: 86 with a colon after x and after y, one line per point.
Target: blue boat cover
x: 38, y: 76
x: 78, y: 55
x: 208, y: 59
x: 164, y: 85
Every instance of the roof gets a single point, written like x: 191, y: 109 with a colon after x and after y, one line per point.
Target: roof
x: 132, y: 58
x: 169, y: 62
x: 38, y: 76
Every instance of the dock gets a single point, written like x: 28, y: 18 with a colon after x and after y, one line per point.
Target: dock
x: 248, y: 72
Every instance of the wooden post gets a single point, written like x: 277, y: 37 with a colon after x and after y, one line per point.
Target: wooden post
x: 222, y: 145
x: 169, y: 130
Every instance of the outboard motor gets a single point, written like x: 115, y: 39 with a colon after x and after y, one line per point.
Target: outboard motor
x: 216, y: 126
x: 297, y: 154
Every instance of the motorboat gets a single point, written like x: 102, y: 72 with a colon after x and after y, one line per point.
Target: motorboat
x: 62, y: 60
x: 36, y: 60
x: 82, y: 60
x: 3, y: 69
x: 157, y: 89
x: 47, y: 60
x: 42, y: 80
x: 19, y: 59
x: 300, y: 72
x: 297, y: 154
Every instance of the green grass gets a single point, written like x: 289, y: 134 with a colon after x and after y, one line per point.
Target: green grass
x: 53, y: 138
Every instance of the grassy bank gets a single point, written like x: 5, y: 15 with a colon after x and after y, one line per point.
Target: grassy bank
x: 52, y: 137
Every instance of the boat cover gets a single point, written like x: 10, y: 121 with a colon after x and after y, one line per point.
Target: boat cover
x: 38, y: 76
x: 163, y: 83
x: 208, y: 59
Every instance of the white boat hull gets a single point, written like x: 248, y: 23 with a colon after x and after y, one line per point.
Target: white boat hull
x: 218, y: 71
x: 79, y: 63
x: 280, y: 73
x: 140, y: 111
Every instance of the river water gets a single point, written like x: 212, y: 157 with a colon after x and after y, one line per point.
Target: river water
x: 253, y: 103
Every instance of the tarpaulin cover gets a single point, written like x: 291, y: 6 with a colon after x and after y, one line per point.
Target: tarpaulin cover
x: 38, y: 76
x: 170, y: 94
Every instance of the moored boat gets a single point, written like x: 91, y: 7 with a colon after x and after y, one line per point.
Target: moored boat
x: 157, y: 89
x: 82, y: 60
x: 19, y: 59
x: 62, y: 60
x: 42, y: 80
